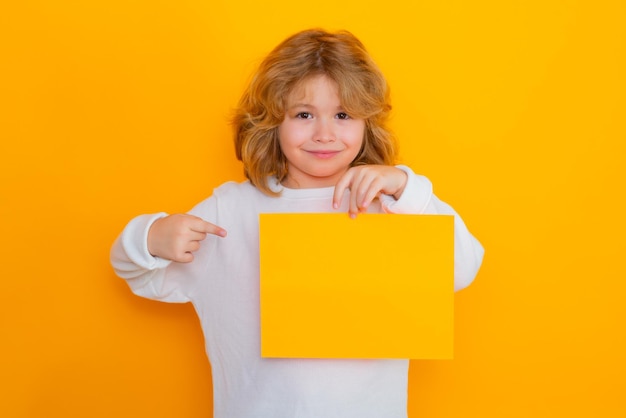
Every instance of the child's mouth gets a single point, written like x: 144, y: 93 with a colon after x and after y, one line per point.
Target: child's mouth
x: 323, y: 154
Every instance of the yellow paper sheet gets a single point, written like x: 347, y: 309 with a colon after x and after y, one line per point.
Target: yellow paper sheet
x: 378, y: 286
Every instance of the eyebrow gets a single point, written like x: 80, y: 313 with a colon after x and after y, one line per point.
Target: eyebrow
x: 301, y: 105
x: 309, y: 106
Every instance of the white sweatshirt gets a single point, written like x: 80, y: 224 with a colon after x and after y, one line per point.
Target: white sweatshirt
x: 223, y: 284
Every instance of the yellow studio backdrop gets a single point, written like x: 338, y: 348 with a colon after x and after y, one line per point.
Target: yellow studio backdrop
x: 515, y: 110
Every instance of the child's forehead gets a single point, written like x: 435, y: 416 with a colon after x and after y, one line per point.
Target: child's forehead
x: 309, y: 86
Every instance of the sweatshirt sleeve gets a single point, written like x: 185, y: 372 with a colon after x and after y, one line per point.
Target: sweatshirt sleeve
x: 153, y: 277
x: 144, y: 273
x: 418, y: 198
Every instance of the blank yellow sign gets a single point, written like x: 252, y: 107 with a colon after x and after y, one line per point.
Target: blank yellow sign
x: 378, y: 286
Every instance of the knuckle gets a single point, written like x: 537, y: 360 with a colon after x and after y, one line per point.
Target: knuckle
x: 185, y: 258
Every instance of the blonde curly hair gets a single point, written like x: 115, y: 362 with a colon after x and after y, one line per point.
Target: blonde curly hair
x: 363, y: 92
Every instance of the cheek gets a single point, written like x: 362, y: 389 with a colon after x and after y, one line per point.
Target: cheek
x: 357, y: 135
x: 283, y: 134
x: 288, y: 139
x: 288, y: 133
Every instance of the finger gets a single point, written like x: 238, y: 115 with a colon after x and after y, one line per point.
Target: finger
x: 362, y: 188
x: 353, y: 207
x: 215, y: 230
x: 373, y: 190
x: 340, y: 188
x: 185, y: 258
x: 358, y: 188
x: 207, y: 228
x: 370, y: 200
x: 193, y: 246
x: 196, y: 236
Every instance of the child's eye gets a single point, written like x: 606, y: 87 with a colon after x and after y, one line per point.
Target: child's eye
x: 342, y: 115
x: 304, y: 115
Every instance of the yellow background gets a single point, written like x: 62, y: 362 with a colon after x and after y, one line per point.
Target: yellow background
x: 514, y: 109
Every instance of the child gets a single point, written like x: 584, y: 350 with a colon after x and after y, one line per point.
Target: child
x: 311, y: 133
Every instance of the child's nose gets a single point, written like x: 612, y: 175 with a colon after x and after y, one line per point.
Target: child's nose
x: 324, y: 132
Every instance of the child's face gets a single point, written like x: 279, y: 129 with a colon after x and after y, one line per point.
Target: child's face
x: 318, y: 138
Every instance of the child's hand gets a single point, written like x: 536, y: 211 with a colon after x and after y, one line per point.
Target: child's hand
x: 176, y: 237
x: 366, y: 182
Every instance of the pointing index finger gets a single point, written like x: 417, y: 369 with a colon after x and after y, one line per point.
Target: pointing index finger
x: 208, y: 228
x: 214, y: 229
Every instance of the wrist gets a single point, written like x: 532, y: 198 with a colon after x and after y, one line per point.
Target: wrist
x: 150, y: 242
x: 400, y: 189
